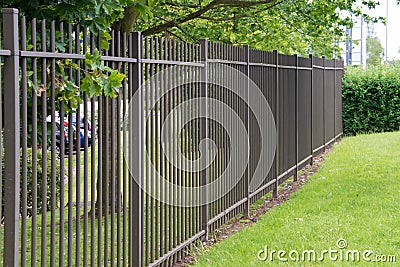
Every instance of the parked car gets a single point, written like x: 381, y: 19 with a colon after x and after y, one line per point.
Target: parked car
x: 66, y: 136
x: 82, y: 129
x: 82, y: 122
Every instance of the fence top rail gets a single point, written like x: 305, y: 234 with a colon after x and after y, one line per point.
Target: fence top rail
x: 4, y: 52
x: 57, y: 55
x: 172, y: 62
x: 39, y: 54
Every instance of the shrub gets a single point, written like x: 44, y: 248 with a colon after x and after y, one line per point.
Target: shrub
x: 39, y: 181
x: 371, y: 99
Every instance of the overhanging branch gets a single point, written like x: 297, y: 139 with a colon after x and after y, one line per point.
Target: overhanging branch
x: 211, y: 6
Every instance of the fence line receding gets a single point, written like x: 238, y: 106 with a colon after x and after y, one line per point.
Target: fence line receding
x: 68, y: 194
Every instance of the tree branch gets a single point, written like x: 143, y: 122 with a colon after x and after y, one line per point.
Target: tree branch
x: 168, y: 31
x: 211, y: 6
x: 179, y: 28
x: 223, y: 19
x: 234, y: 3
x: 235, y: 17
x: 182, y: 5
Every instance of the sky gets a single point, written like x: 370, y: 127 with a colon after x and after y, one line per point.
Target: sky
x: 393, y: 24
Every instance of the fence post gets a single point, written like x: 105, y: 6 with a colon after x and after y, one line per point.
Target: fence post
x: 312, y: 110
x: 323, y: 101
x: 136, y: 158
x: 247, y: 175
x: 297, y: 118
x: 275, y: 189
x: 11, y: 138
x: 334, y: 99
x: 204, y: 134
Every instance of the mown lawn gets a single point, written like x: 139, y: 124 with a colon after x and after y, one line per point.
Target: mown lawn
x: 354, y: 198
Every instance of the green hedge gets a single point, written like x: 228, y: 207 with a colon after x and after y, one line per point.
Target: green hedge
x: 39, y: 181
x: 371, y: 99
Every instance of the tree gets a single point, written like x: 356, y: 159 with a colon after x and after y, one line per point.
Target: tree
x: 375, y: 51
x: 299, y: 26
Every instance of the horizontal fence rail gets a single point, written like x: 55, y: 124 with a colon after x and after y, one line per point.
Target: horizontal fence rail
x: 94, y: 182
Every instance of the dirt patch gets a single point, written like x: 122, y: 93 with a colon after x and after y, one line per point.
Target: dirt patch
x: 236, y: 224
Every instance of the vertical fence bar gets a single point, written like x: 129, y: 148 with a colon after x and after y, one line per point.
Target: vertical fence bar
x: 78, y: 160
x: 24, y: 144
x: 218, y: 54
x: 145, y: 96
x: 127, y: 254
x: 62, y: 184
x: 53, y: 149
x: 196, y: 142
x: 111, y: 147
x: 224, y: 54
x: 164, y: 106
x: 172, y: 170
x: 70, y: 165
x: 181, y: 140
x: 1, y: 144
x: 193, y: 229
x: 44, y: 149
x: 122, y: 67
x: 12, y: 139
x: 185, y: 144
x: 124, y: 143
x: 296, y: 101
x: 107, y: 129
x: 246, y: 49
x: 275, y: 188
x: 99, y: 201
x: 174, y: 145
x: 312, y: 109
x: 203, y: 131
x: 136, y: 194
x: 334, y: 99
x: 323, y: 101
x: 34, y: 148
x: 213, y: 53
x: 86, y: 162
x: 181, y: 217
x: 162, y: 236
x: 150, y: 146
x: 93, y: 169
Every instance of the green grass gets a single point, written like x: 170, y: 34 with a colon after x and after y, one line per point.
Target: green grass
x: 74, y: 179
x: 70, y: 194
x: 75, y: 213
x: 92, y: 242
x: 355, y: 196
x: 81, y: 178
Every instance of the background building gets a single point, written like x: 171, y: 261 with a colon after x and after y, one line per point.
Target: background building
x: 355, y: 49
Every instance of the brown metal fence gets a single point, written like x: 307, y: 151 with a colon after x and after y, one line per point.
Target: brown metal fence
x: 68, y: 196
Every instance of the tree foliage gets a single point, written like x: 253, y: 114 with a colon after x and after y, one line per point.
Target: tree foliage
x: 297, y: 26
x: 375, y: 51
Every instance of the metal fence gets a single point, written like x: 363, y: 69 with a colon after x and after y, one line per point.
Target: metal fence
x: 68, y: 194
